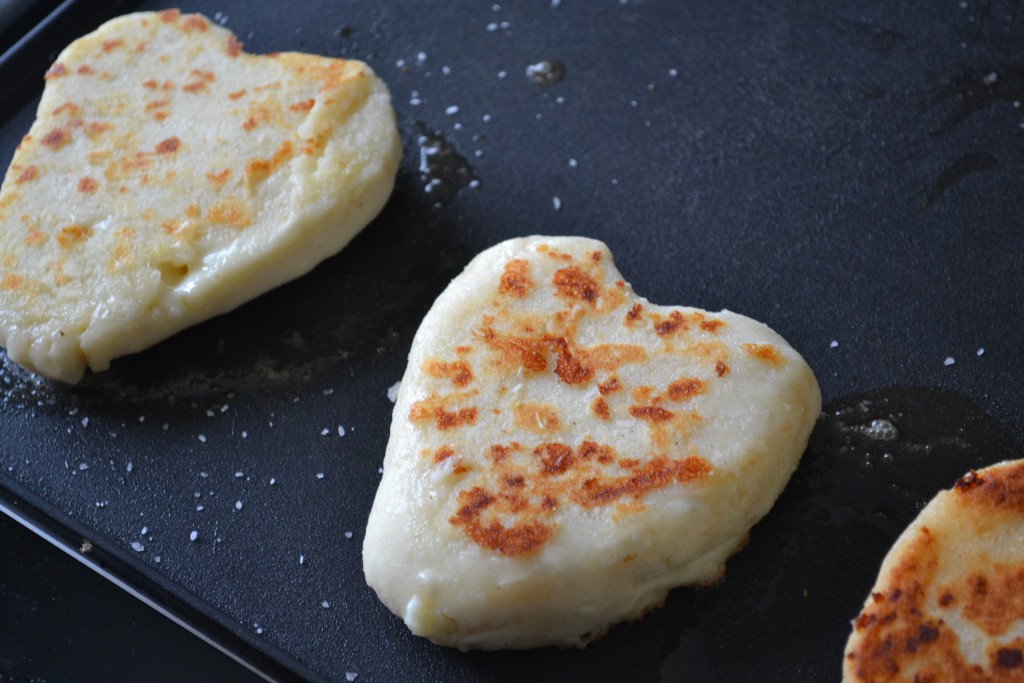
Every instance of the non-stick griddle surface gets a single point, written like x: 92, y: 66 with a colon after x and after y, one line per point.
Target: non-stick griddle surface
x: 848, y: 173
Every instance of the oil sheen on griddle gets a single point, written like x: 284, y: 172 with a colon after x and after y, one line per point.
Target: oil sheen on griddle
x: 442, y: 169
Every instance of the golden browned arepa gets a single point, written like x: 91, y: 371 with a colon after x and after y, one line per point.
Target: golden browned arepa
x: 949, y: 601
x: 563, y: 452
x: 170, y: 176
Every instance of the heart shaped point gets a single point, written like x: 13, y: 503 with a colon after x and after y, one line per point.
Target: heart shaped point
x: 169, y: 177
x: 563, y: 453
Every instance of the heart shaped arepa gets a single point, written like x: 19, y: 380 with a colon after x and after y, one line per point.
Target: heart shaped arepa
x: 169, y: 177
x: 563, y: 453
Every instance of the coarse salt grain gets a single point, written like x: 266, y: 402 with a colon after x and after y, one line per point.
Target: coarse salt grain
x: 452, y: 110
x: 981, y: 351
x: 325, y: 431
x: 325, y: 604
x: 341, y: 430
x: 319, y: 475
x: 556, y: 203
x: 238, y: 505
x: 193, y: 536
x: 348, y: 534
x: 138, y: 547
x: 949, y: 360
x: 351, y: 676
x: 834, y: 344
x: 393, y: 391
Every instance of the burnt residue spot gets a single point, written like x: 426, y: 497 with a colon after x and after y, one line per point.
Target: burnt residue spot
x: 978, y: 89
x: 442, y: 169
x: 547, y: 72
x: 1009, y: 658
x: 957, y: 171
x: 872, y: 36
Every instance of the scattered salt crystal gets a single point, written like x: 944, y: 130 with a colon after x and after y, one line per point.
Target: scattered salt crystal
x: 157, y: 559
x: 981, y: 352
x: 502, y: 74
x: 341, y: 430
x: 352, y: 675
x: 85, y: 422
x: 302, y: 559
x: 421, y: 56
x: 834, y: 344
x: 142, y: 418
x: 325, y: 431
x: 259, y: 630
x: 193, y: 536
x: 138, y: 547
x: 143, y: 531
x: 202, y: 438
x: 573, y: 163
x: 393, y: 391
x: 273, y: 481
x: 238, y: 505
x: 224, y: 408
x: 209, y: 413
x: 245, y: 434
x: 199, y: 508
x: 319, y: 475
x: 492, y: 27
x: 452, y: 110
x: 204, y: 475
x: 556, y: 3
x: 990, y: 78
x: 673, y: 73
x: 102, y: 503
x: 328, y: 392
x: 486, y: 118
x: 446, y: 70
x: 83, y: 466
x: 348, y: 534
x: 325, y: 604
x: 556, y: 203
x: 400, y: 63
x: 949, y: 360
x: 380, y: 470
x: 129, y: 466
x: 239, y: 474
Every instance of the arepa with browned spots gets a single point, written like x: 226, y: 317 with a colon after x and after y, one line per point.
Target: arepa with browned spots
x: 563, y: 452
x: 948, y: 604
x: 169, y: 176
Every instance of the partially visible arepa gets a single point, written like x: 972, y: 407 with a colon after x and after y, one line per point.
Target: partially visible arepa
x: 949, y: 601
x: 563, y: 452
x: 169, y: 177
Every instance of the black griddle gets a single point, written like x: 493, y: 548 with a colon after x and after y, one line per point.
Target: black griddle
x: 847, y: 172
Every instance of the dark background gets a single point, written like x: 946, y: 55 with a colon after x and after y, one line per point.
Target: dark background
x: 847, y: 172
